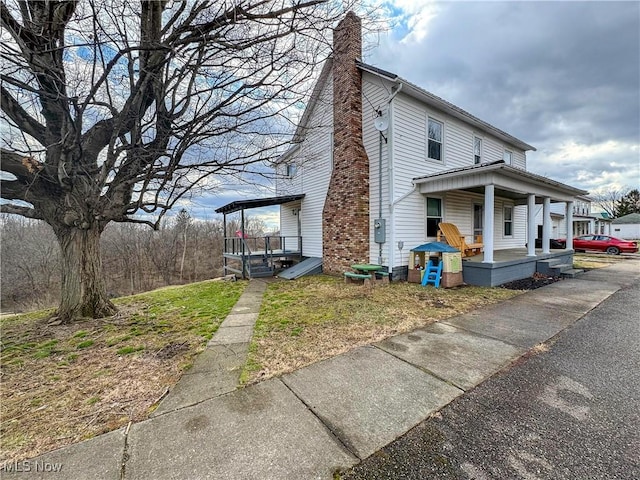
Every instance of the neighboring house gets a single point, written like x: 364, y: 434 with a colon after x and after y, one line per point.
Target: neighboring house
x: 381, y: 162
x: 602, y: 224
x: 584, y: 222
x: 627, y: 227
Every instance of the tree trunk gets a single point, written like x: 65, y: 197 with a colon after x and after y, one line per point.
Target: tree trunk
x: 83, y: 289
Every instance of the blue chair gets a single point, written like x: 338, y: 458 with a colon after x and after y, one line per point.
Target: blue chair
x: 432, y: 274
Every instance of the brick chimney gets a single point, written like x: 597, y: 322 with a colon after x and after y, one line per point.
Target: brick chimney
x: 345, y: 218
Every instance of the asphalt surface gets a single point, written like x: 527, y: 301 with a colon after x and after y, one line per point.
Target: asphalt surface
x: 570, y: 412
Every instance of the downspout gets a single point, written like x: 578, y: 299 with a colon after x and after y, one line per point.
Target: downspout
x: 391, y: 226
x: 380, y: 137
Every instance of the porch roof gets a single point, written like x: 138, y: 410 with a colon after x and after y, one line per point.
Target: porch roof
x: 510, y: 182
x: 257, y: 202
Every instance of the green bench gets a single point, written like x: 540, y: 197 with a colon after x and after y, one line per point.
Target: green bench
x: 353, y: 277
x: 382, y: 276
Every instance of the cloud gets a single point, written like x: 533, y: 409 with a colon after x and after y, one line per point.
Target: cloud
x: 562, y: 76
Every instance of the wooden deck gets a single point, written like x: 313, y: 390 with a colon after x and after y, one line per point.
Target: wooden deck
x: 260, y: 256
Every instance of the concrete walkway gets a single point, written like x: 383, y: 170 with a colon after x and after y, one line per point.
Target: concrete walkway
x: 331, y: 414
x: 217, y: 370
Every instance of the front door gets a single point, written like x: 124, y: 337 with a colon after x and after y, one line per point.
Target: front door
x: 478, y: 219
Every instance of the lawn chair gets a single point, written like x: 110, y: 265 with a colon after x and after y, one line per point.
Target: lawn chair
x: 432, y: 274
x: 453, y: 237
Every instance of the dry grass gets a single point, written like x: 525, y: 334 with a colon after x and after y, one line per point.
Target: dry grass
x: 62, y: 384
x: 318, y: 317
x: 595, y: 260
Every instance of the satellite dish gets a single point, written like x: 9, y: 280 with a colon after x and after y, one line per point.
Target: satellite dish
x: 381, y: 123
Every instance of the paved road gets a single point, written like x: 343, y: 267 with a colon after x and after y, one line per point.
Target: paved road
x: 572, y: 412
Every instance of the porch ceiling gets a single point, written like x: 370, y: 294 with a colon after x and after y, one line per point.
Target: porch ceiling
x: 510, y: 182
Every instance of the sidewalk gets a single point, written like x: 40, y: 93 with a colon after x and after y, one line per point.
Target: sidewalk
x: 334, y: 413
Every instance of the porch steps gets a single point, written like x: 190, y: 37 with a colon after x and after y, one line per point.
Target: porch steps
x: 552, y: 267
x: 309, y: 266
x: 260, y: 270
x: 571, y: 273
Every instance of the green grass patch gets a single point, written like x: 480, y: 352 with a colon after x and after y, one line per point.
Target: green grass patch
x: 49, y: 369
x: 316, y: 317
x: 128, y: 350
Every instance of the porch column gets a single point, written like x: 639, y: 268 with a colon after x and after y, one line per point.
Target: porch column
x: 546, y: 224
x: 531, y: 226
x: 569, y: 216
x: 224, y: 243
x: 488, y: 232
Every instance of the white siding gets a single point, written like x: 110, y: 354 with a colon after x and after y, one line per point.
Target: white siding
x: 289, y: 221
x: 457, y: 208
x: 313, y: 160
x: 409, y: 130
x: 375, y: 97
x: 626, y: 231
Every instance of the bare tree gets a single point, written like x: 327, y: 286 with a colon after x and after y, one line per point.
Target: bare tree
x: 608, y: 200
x: 117, y: 108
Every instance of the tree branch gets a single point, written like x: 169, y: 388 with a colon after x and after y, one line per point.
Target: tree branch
x: 20, y: 117
x: 19, y: 210
x: 154, y: 225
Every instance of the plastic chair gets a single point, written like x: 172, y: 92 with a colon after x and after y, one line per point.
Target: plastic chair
x: 432, y: 274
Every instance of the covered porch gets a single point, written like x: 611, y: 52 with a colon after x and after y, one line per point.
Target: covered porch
x: 497, y: 180
x: 514, y: 264
x: 252, y: 257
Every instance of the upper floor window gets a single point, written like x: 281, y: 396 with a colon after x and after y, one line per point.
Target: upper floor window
x: 290, y: 170
x: 434, y: 147
x: 477, y: 150
x: 507, y: 157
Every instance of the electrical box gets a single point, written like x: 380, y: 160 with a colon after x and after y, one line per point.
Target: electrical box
x: 379, y: 230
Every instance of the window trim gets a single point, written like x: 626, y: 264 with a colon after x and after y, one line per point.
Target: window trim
x: 473, y: 149
x: 504, y: 154
x: 505, y: 221
x: 441, y: 160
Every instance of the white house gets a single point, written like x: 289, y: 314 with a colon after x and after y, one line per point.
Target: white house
x: 584, y: 222
x: 378, y: 160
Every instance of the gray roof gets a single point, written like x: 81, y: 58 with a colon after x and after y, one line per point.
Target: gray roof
x: 257, y: 203
x: 506, y: 169
x: 631, y: 218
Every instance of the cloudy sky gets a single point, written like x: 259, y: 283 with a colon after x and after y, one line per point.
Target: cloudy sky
x: 562, y: 76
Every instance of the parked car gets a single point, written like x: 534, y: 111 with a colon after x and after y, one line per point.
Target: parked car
x: 553, y: 243
x: 603, y: 243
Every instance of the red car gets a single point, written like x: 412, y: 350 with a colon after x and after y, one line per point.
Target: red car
x: 603, y: 243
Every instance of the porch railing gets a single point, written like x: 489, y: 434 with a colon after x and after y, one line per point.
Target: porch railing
x: 263, y: 249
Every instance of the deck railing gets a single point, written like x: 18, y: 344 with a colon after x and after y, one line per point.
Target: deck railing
x: 263, y: 249
x: 270, y: 245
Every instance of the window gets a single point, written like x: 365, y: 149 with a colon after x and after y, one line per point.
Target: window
x: 434, y: 147
x: 291, y: 170
x: 434, y: 216
x: 477, y: 150
x: 478, y: 221
x: 508, y: 221
x: 507, y: 157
